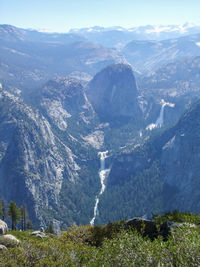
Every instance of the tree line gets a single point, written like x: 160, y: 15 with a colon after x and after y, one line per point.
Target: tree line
x: 16, y: 214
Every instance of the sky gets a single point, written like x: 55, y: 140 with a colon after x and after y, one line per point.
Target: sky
x: 62, y: 15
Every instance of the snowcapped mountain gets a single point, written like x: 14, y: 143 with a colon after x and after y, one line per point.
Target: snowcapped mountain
x: 118, y: 36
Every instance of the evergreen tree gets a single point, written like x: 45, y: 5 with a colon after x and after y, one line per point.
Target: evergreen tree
x: 50, y: 229
x: 29, y: 225
x: 2, y: 209
x: 14, y: 213
x: 24, y: 216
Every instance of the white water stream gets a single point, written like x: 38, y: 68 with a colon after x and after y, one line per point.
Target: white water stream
x: 103, y: 174
x: 160, y: 120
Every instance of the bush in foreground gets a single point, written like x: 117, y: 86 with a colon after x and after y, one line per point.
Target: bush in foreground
x: 109, y: 245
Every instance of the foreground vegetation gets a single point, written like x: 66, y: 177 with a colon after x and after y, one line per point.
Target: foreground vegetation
x: 110, y: 245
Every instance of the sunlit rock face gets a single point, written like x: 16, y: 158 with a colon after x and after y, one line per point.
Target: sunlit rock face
x: 62, y: 98
x: 32, y: 165
x: 113, y: 94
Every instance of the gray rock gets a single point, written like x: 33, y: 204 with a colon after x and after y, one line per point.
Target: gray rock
x: 12, y: 238
x: 3, y: 228
x: 39, y: 234
x: 2, y: 247
x: 113, y: 93
x: 46, y: 165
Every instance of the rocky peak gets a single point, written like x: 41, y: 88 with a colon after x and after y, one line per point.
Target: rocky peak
x: 113, y: 93
x: 62, y: 98
x: 11, y: 33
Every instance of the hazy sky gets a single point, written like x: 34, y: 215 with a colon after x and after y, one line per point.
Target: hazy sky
x: 61, y: 15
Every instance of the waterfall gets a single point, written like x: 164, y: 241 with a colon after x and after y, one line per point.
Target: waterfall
x: 103, y: 174
x: 160, y: 120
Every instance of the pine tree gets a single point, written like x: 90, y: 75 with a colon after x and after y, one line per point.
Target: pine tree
x: 29, y: 225
x: 14, y: 213
x: 50, y: 229
x: 2, y: 209
x: 24, y: 216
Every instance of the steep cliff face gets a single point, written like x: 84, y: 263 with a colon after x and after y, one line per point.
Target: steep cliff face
x: 160, y: 175
x: 33, y: 161
x: 113, y: 94
x: 63, y: 98
x: 180, y: 160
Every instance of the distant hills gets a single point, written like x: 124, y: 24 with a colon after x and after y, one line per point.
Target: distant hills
x: 148, y: 55
x: 34, y: 56
x: 118, y: 36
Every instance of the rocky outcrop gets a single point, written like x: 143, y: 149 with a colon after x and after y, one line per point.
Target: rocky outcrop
x: 12, y: 238
x: 113, y: 94
x: 39, y: 234
x: 37, y: 164
x: 143, y: 226
x: 63, y: 98
x: 3, y: 228
x: 2, y: 247
x: 7, y: 240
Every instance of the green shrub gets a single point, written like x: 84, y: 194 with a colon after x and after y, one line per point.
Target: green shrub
x: 109, y: 245
x: 177, y: 216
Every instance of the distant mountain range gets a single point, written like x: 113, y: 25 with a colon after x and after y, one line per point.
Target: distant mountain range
x: 146, y: 56
x: 182, y: 74
x: 30, y: 58
x: 118, y: 36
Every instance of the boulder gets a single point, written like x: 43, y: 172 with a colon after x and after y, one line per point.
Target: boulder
x: 143, y: 226
x: 39, y: 234
x: 9, y: 241
x: 2, y: 247
x: 3, y: 228
x: 12, y: 238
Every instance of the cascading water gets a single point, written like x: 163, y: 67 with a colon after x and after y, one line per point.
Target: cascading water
x: 160, y: 120
x: 103, y: 174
